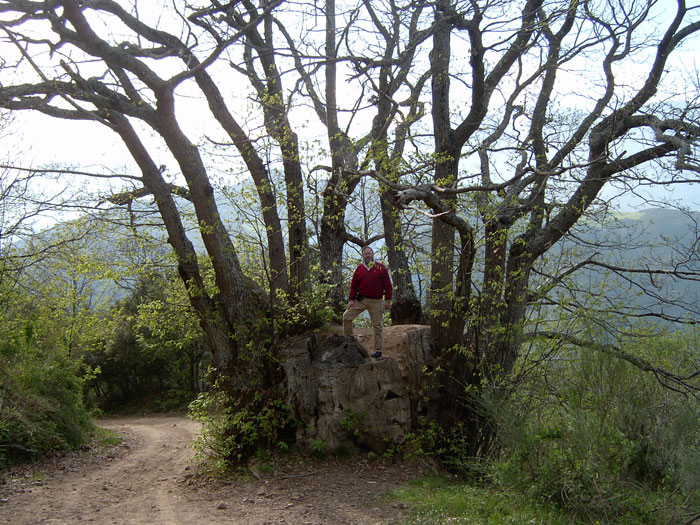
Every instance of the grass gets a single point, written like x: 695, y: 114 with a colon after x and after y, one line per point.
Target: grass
x: 32, y: 471
x: 437, y: 500
x: 101, y: 437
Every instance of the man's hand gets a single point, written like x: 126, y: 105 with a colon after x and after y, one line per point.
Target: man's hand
x: 351, y: 303
x: 387, y: 304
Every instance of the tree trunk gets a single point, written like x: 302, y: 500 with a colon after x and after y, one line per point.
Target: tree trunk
x: 229, y: 275
x: 341, y: 184
x: 299, y: 270
x: 442, y: 246
x: 442, y: 252
x: 332, y: 241
x: 405, y: 306
x: 218, y: 335
x: 271, y: 93
x: 279, y: 279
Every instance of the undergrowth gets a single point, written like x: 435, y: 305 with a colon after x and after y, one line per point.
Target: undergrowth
x: 436, y: 500
x: 41, y: 402
x: 237, y: 428
x: 597, y: 438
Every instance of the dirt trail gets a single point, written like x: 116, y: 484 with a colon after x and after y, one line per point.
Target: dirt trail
x: 149, y: 479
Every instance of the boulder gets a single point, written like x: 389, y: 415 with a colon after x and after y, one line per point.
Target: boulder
x: 342, y: 399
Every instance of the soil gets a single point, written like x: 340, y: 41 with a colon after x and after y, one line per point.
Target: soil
x: 151, y: 478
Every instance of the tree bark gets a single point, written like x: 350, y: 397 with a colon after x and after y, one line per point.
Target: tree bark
x: 221, y: 337
x: 279, y: 278
x: 405, y: 306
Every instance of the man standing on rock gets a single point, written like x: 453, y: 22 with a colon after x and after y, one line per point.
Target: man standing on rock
x: 369, y: 287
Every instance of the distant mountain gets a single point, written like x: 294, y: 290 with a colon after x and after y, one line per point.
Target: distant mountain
x: 642, y: 241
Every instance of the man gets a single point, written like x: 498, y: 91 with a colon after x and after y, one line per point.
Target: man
x: 369, y: 287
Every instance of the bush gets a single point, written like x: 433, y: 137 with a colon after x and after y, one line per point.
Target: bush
x: 41, y: 405
x: 235, y: 429
x: 600, y: 438
x: 153, y: 350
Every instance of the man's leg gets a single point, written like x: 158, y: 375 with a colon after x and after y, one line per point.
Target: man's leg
x: 350, y: 314
x: 375, y: 307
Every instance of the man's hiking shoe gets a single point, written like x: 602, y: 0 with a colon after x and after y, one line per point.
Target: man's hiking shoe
x: 377, y: 355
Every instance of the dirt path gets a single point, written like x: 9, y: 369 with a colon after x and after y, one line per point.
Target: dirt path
x: 149, y: 479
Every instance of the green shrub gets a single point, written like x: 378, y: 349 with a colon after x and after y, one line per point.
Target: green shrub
x: 41, y: 404
x: 310, y: 310
x: 236, y: 428
x: 600, y: 438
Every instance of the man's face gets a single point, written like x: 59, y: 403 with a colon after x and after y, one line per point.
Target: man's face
x: 367, y: 255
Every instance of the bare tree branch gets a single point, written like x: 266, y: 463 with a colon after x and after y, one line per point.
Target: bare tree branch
x: 684, y: 384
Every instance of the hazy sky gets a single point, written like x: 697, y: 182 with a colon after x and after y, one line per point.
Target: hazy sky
x: 36, y: 140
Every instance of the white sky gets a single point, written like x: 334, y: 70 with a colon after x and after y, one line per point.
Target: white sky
x: 37, y: 140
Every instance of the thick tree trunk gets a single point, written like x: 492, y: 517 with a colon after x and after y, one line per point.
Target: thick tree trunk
x: 442, y: 247
x: 442, y: 271
x: 299, y: 270
x: 332, y: 241
x: 279, y: 279
x: 405, y: 306
x: 220, y: 336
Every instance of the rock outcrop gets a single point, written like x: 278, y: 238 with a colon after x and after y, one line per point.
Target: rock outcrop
x: 343, y: 399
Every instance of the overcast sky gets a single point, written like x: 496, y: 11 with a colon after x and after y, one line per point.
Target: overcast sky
x: 36, y: 140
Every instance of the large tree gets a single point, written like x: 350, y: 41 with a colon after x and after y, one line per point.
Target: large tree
x: 129, y: 83
x: 553, y: 103
x: 507, y: 119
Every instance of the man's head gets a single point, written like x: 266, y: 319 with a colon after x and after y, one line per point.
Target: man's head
x: 367, y: 254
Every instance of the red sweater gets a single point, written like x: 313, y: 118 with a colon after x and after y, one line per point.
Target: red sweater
x: 372, y: 283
